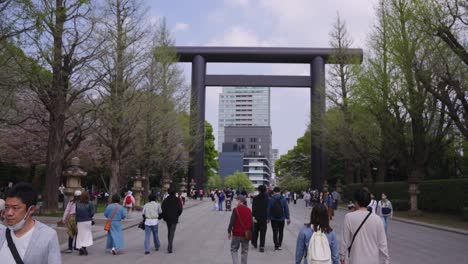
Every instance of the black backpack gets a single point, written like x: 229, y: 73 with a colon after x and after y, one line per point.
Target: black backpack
x: 276, y: 209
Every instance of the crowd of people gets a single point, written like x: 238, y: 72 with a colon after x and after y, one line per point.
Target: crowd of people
x: 363, y: 238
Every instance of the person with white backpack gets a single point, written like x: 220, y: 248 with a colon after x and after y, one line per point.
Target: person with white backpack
x: 317, y: 242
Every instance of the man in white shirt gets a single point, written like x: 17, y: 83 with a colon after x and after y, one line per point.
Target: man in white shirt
x: 34, y: 241
x: 373, y: 204
x: 370, y: 243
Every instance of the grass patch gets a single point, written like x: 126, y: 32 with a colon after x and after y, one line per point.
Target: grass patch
x: 449, y: 220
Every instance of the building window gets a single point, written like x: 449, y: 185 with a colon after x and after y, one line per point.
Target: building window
x: 253, y: 139
x: 253, y: 146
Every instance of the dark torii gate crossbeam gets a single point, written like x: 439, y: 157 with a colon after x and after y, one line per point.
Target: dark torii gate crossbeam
x: 315, y: 57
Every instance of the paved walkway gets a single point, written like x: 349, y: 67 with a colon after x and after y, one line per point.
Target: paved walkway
x: 201, y: 237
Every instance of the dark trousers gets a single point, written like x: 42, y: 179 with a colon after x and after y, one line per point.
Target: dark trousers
x: 71, y: 243
x: 278, y: 229
x: 171, y: 227
x: 259, y: 228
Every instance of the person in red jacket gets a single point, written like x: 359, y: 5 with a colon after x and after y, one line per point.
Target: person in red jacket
x: 241, y: 221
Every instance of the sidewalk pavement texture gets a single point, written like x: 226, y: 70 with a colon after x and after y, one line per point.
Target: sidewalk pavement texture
x: 201, y: 237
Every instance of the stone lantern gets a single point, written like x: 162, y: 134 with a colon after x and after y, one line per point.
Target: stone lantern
x: 183, y: 185
x: 325, y: 186
x: 73, y: 174
x: 192, y: 185
x: 339, y: 186
x: 138, y: 187
x: 166, y: 184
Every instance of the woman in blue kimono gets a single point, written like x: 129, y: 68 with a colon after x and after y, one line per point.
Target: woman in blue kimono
x: 114, y: 235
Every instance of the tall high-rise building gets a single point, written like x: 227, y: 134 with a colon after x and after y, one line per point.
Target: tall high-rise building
x: 243, y: 106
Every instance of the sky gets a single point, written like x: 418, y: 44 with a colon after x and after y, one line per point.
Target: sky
x: 263, y: 23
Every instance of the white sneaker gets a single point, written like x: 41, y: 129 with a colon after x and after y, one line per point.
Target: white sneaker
x: 113, y: 251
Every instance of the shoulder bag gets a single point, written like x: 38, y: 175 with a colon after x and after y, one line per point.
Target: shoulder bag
x: 357, y: 231
x: 247, y: 233
x: 107, y: 226
x: 12, y: 247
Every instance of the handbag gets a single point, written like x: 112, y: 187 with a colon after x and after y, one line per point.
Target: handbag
x: 247, y: 233
x: 107, y: 226
x: 12, y: 247
x: 141, y: 225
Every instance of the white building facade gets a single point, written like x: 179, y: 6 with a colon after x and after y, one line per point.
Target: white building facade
x: 243, y: 106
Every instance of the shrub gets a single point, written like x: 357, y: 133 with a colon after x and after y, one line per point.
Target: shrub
x: 400, y: 205
x: 445, y: 196
x: 465, y: 214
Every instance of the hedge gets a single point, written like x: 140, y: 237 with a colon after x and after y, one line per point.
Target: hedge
x: 446, y: 196
x: 465, y: 214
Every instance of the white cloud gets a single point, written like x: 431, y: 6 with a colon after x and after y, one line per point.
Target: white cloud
x: 238, y: 36
x: 180, y: 26
x: 241, y: 3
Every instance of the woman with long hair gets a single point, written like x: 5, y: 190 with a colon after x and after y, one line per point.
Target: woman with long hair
x: 319, y: 220
x: 84, y: 218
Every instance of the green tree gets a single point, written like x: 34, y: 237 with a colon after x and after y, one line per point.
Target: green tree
x: 210, y: 163
x: 239, y: 181
x: 122, y: 55
x: 215, y: 182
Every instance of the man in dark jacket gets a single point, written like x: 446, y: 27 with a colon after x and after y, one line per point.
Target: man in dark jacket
x: 277, y: 213
x: 171, y: 210
x: 259, y: 213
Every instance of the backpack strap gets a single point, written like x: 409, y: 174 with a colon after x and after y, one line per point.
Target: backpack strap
x: 357, y: 231
x: 12, y: 247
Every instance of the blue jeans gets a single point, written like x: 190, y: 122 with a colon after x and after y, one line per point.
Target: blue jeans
x: 385, y: 222
x: 148, y: 231
x: 220, y: 205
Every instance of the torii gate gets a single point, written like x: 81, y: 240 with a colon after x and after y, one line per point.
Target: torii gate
x: 315, y: 57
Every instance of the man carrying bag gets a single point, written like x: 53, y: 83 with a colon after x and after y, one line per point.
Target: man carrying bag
x: 240, y: 230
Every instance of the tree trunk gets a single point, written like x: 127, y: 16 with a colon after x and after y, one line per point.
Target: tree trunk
x: 382, y: 169
x: 115, y: 172
x: 55, y: 153
x: 349, y: 171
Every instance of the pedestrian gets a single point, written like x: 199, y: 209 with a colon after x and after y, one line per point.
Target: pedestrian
x: 363, y: 237
x: 306, y: 199
x: 2, y: 209
x: 329, y: 203
x: 240, y: 224
x: 385, y: 210
x: 259, y: 213
x: 295, y: 197
x: 171, y: 210
x: 26, y: 240
x: 288, y: 197
x: 115, y: 214
x: 277, y: 214
x: 184, y: 197
x: 200, y: 193
x: 129, y: 202
x: 214, y: 198
x: 319, y: 221
x: 84, y: 219
x: 221, y: 198
x: 151, y: 212
x: 372, y: 207
x: 69, y: 220
x: 336, y: 197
